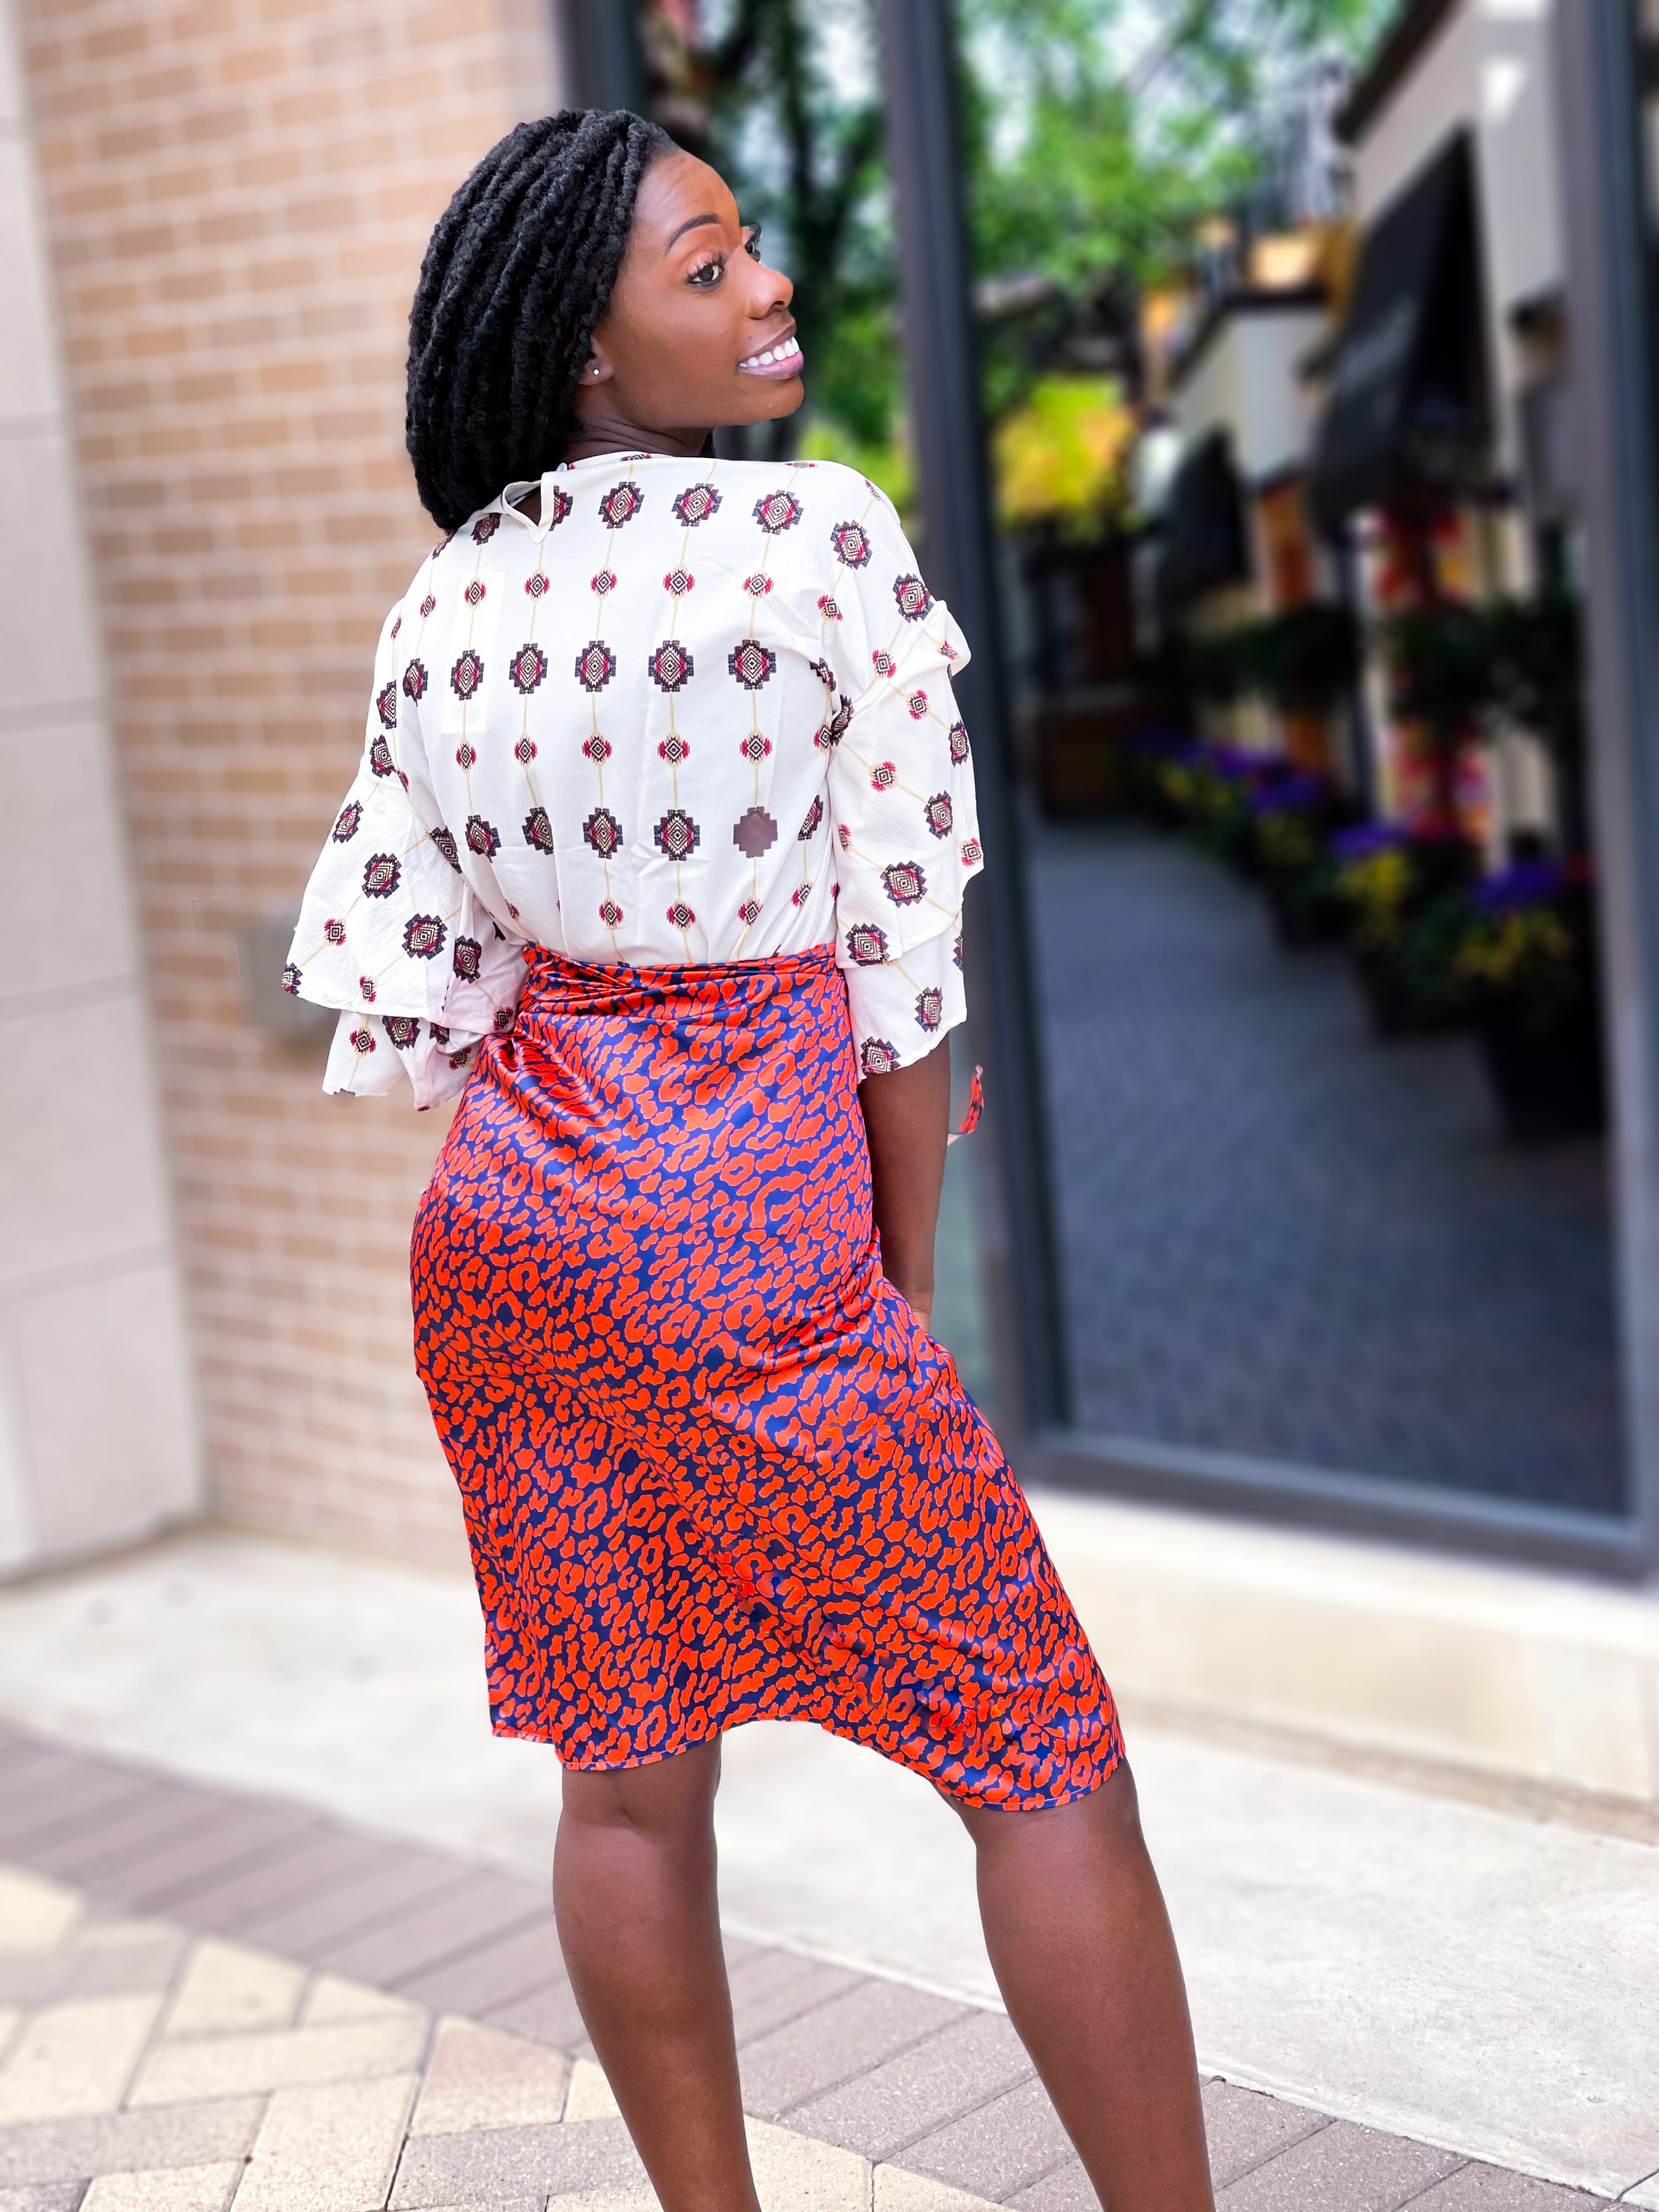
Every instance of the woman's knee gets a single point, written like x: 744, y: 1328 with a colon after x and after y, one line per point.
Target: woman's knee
x: 1111, y: 1811
x: 671, y: 1799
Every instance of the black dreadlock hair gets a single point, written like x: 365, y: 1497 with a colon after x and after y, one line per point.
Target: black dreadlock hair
x: 519, y: 269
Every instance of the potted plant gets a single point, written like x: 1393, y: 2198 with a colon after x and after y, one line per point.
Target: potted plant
x: 1538, y: 681
x: 1529, y: 958
x: 1293, y: 818
x: 1404, y: 896
x: 1440, y: 663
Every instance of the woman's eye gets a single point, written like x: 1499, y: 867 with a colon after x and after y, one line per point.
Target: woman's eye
x: 708, y: 273
x: 751, y: 246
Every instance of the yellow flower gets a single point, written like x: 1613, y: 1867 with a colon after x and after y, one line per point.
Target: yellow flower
x: 1060, y: 456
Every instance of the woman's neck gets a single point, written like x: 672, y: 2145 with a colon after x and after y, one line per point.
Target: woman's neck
x: 592, y: 440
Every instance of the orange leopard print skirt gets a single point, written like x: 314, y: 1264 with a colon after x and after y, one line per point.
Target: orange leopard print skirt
x: 712, y: 1469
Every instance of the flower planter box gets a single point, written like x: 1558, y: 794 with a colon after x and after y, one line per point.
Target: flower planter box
x: 1547, y: 1085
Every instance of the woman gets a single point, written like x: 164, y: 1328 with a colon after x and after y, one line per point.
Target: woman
x: 656, y: 858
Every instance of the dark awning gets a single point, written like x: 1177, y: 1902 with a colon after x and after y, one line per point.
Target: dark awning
x: 1408, y: 407
x: 1206, y: 543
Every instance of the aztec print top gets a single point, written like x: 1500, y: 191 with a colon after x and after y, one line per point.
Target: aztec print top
x: 700, y: 712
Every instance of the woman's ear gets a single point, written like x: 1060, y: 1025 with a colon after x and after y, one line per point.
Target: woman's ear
x: 597, y: 369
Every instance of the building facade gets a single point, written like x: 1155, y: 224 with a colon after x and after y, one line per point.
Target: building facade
x: 220, y: 209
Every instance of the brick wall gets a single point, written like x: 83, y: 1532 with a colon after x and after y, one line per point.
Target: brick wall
x: 237, y: 194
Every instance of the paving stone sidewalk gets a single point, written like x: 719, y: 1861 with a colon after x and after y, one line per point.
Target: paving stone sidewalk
x: 210, y: 2003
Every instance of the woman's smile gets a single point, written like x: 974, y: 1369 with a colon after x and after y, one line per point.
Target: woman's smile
x: 781, y: 358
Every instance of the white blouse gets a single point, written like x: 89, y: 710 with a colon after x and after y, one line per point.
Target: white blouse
x: 700, y: 711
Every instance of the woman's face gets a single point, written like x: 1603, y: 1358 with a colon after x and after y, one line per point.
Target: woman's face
x: 698, y: 332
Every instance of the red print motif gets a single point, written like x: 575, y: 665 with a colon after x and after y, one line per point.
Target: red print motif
x: 610, y: 913
x: 466, y: 756
x: 676, y: 834
x: 801, y: 893
x: 414, y: 681
x: 917, y: 702
x: 598, y: 749
x: 752, y: 664
x: 538, y: 829
x: 748, y: 913
x: 426, y: 606
x: 423, y: 940
x: 621, y: 504
x: 674, y: 748
x: 524, y: 751
x: 379, y: 757
x: 467, y: 959
x: 680, y: 915
x: 677, y: 582
x: 292, y: 979
x: 814, y: 815
x: 757, y: 586
x: 844, y: 836
x: 402, y: 1029
x: 474, y: 592
x: 603, y: 582
x: 363, y: 1042
x: 526, y: 668
x: 562, y: 503
x: 883, y: 776
x: 904, y: 882
x: 483, y: 837
x: 955, y: 950
x: 883, y: 661
x: 877, y: 1057
x: 466, y: 675
x: 849, y: 545
x: 669, y: 666
x: 930, y: 1009
x: 602, y: 832
x: 381, y: 876
x: 696, y: 504
x: 971, y: 854
x: 755, y: 747
x: 596, y: 665
x: 536, y: 585
x: 755, y: 834
x: 939, y: 814
x: 485, y: 528
x: 775, y: 511
x: 444, y: 841
x: 913, y: 596
x: 828, y: 609
x: 958, y: 737
x: 825, y: 674
x: 867, y: 945
x: 385, y: 706
x: 335, y: 931
x: 502, y: 1020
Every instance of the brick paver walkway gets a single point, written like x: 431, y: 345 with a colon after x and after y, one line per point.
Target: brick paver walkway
x: 1283, y: 1237
x: 209, y: 2002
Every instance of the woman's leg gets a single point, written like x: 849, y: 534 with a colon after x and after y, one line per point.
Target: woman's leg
x: 1083, y: 1955
x: 634, y: 1893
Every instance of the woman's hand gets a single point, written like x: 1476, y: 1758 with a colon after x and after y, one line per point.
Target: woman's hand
x: 906, y: 1119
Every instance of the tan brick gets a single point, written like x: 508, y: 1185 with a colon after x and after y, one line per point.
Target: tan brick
x: 328, y: 2149
x: 240, y: 2065
x: 231, y: 1986
x: 478, y: 2077
x: 75, y: 2059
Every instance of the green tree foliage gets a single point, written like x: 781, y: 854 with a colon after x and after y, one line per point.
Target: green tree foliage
x: 1099, y: 135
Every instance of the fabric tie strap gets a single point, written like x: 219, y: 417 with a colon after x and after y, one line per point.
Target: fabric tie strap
x: 976, y: 1106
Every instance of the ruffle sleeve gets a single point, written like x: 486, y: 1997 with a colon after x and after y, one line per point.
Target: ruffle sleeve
x: 905, y: 840
x: 391, y: 931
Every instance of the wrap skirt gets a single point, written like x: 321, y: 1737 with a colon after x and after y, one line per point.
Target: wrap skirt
x: 712, y: 1469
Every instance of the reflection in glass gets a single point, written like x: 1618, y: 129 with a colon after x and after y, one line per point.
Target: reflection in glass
x: 1313, y: 879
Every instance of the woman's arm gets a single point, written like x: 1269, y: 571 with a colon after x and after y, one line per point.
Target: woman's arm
x: 906, y: 1119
